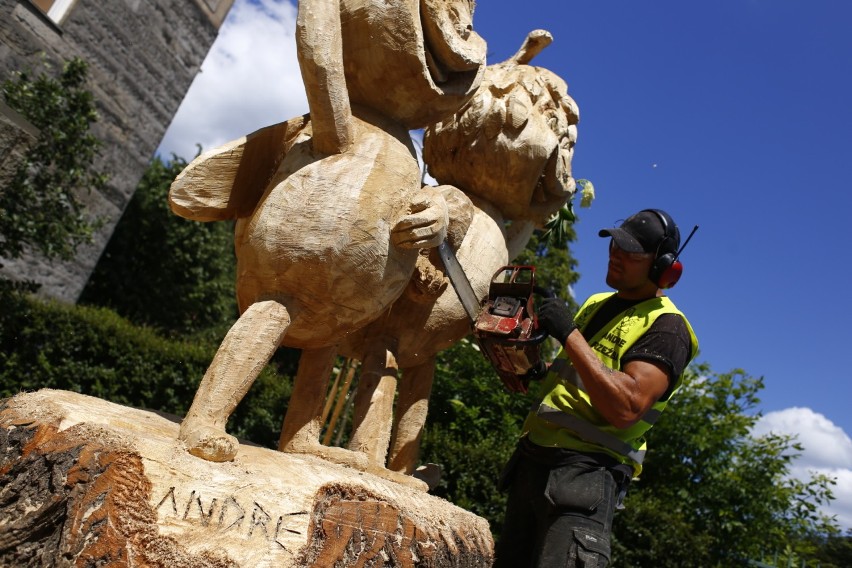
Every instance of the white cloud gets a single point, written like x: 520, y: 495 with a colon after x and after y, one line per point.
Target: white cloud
x: 825, y: 445
x: 827, y: 449
x: 250, y: 79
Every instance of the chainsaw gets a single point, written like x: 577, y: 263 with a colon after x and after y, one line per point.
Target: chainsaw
x: 507, y: 329
x: 505, y: 326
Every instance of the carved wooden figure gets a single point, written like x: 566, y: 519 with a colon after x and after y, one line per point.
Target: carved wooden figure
x: 507, y: 155
x: 329, y: 207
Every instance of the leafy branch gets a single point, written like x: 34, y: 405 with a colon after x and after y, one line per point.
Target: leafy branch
x: 558, y: 226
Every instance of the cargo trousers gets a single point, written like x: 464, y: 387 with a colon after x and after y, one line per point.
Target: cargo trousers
x: 558, y: 516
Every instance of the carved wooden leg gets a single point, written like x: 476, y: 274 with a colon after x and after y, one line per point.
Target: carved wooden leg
x: 411, y: 408
x: 371, y: 424
x: 244, y: 352
x: 303, y: 422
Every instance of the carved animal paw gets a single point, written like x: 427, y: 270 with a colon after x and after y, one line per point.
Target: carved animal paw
x: 209, y: 443
x: 426, y: 225
x: 428, y: 281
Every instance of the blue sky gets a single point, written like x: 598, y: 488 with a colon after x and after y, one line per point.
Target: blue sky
x: 734, y: 115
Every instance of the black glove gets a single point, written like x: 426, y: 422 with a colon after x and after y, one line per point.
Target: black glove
x: 556, y: 319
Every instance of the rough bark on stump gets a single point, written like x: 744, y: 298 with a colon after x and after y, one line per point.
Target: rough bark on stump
x: 87, y: 482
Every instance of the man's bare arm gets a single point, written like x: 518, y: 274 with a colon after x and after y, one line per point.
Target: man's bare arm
x: 622, y: 397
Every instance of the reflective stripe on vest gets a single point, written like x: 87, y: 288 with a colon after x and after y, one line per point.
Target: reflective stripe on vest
x: 566, y: 371
x: 586, y: 431
x: 566, y: 417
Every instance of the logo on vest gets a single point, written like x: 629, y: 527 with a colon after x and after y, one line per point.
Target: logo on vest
x: 629, y: 320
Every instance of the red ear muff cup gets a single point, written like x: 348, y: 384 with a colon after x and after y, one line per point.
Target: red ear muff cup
x: 666, y: 271
x: 671, y: 275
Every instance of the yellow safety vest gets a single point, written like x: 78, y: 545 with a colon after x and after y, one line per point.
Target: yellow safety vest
x: 565, y: 417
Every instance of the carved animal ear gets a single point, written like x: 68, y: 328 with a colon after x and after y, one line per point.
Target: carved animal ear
x: 535, y: 41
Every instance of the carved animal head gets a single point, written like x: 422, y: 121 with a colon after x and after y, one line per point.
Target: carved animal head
x: 513, y: 143
x: 416, y: 61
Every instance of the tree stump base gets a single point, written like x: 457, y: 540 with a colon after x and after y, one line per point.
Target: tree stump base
x: 88, y: 482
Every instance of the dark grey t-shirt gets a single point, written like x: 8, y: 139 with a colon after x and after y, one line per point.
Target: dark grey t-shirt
x: 667, y: 341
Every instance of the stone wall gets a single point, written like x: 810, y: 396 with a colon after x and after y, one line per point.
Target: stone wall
x: 143, y: 56
x: 16, y: 135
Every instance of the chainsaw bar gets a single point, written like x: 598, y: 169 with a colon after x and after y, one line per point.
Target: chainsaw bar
x: 459, y: 281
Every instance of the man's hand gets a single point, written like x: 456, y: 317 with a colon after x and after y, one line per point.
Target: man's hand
x: 556, y: 319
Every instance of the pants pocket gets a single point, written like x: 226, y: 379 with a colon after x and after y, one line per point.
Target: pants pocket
x: 589, y: 550
x: 579, y: 488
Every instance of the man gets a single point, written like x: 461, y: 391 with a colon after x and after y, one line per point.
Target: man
x: 622, y: 359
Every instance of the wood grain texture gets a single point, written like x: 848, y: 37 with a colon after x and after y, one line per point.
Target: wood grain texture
x: 86, y: 482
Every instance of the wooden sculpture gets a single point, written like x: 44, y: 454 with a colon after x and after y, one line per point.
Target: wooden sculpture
x: 506, y: 156
x: 329, y: 207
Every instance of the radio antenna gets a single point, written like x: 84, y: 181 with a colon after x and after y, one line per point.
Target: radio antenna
x: 686, y: 242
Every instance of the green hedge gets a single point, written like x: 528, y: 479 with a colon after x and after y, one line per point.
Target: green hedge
x: 95, y: 352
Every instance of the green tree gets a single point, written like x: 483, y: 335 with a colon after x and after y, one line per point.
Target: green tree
x: 473, y: 425
x: 713, y: 495
x: 555, y: 267
x: 162, y: 270
x: 41, y: 207
x: 835, y: 551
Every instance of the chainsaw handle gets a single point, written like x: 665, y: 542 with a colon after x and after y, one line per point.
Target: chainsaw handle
x: 540, y: 334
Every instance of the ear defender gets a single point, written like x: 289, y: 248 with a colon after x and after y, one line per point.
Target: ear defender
x: 667, y: 269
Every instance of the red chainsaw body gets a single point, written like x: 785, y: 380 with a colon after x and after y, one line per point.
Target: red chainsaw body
x: 507, y: 330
